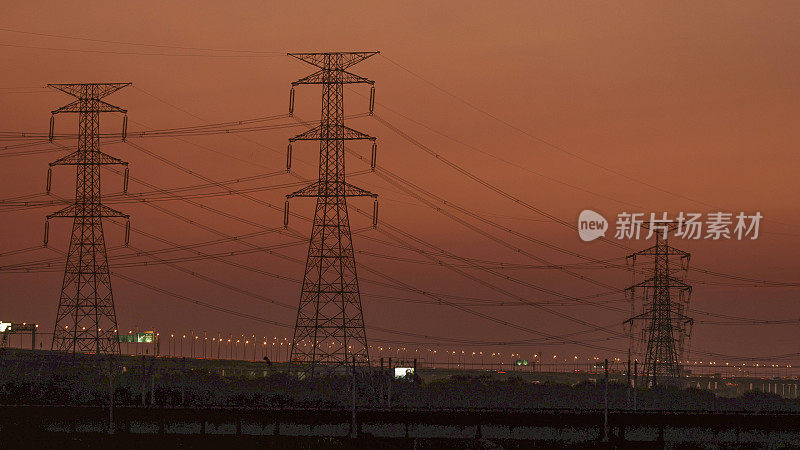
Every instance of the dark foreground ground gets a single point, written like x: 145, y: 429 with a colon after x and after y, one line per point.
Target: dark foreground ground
x: 66, y: 442
x: 49, y: 400
x: 49, y: 426
x: 53, y: 378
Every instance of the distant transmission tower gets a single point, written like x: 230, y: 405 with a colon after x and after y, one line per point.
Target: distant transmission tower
x: 86, y: 321
x: 329, y: 330
x: 665, y: 297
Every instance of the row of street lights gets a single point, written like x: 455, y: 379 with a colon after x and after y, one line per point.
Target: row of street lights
x: 249, y: 347
x: 243, y: 347
x: 246, y: 347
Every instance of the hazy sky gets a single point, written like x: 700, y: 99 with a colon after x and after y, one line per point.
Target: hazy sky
x: 636, y: 106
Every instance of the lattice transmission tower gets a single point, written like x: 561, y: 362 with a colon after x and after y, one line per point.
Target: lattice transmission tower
x: 329, y: 331
x: 86, y: 321
x: 664, y: 297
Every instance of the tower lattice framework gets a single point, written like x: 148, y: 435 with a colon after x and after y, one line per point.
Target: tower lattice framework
x: 86, y: 321
x: 329, y: 330
x: 665, y: 298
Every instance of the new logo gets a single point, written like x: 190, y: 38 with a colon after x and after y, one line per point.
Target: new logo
x: 591, y: 225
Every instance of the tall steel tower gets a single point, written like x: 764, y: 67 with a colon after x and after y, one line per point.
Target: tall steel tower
x: 86, y: 321
x: 665, y: 297
x: 329, y: 330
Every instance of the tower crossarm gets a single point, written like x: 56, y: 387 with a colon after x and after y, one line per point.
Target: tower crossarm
x: 332, y: 133
x: 76, y: 210
x: 318, y: 59
x: 345, y: 77
x: 355, y: 191
x: 78, y: 158
x: 313, y: 190
x: 675, y: 316
x: 662, y: 251
x: 88, y: 90
x: 642, y: 316
x: 91, y: 105
x: 674, y: 283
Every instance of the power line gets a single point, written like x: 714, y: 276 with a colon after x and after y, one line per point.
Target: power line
x: 537, y: 138
x: 104, y: 41
x: 504, y: 160
x: 519, y: 201
x: 175, y: 165
x: 128, y: 53
x: 21, y: 250
x: 482, y: 282
x: 198, y: 130
x: 483, y: 182
x: 498, y: 240
x: 257, y: 296
x: 241, y: 137
x: 451, y: 204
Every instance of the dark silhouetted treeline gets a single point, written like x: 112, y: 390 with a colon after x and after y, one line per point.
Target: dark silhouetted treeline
x: 87, y: 384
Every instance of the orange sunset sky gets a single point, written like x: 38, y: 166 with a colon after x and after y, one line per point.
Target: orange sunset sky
x: 635, y: 106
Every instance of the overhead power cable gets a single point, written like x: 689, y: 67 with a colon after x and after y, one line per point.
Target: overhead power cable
x: 485, y: 183
x: 141, y: 44
x: 134, y: 53
x: 177, y: 166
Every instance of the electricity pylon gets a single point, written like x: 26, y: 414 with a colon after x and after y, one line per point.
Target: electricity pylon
x: 665, y: 297
x: 329, y: 331
x: 86, y: 321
